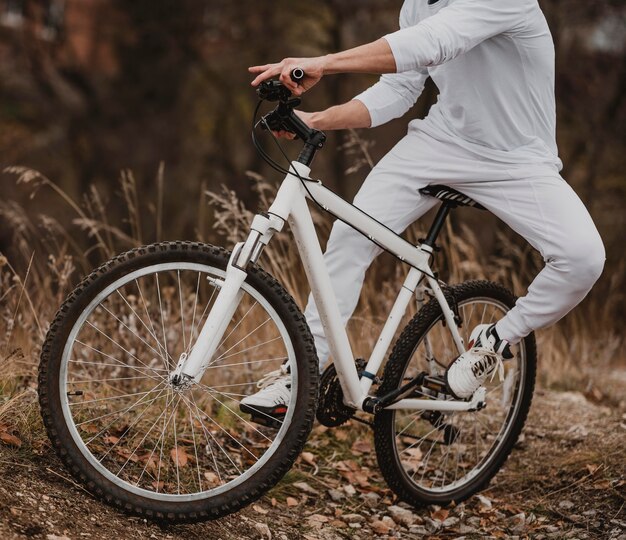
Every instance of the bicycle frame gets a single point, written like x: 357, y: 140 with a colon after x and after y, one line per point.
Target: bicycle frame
x: 290, y: 205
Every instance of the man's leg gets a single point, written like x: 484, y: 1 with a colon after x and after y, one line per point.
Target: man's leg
x: 546, y: 211
x: 391, y: 195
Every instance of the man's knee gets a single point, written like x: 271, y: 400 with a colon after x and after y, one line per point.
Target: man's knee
x: 585, y: 259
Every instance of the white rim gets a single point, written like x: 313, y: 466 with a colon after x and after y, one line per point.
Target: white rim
x: 164, y: 267
x: 506, y: 425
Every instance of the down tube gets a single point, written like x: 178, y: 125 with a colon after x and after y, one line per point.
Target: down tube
x: 304, y: 233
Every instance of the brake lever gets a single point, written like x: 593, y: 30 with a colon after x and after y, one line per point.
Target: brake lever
x: 273, y: 91
x: 274, y: 122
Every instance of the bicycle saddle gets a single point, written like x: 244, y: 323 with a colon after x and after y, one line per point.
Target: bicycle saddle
x: 450, y: 196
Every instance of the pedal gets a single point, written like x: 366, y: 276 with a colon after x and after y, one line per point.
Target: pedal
x: 436, y: 384
x: 273, y: 422
x: 271, y: 418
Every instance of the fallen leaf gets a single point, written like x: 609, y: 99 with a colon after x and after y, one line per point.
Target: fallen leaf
x: 303, y: 486
x: 592, y: 468
x: 291, y: 502
x: 10, y: 440
x: 362, y: 479
x: 179, y: 456
x: 309, y: 458
x: 379, y: 527
x: 211, y: 477
x: 259, y: 510
x: 362, y: 446
x: 126, y: 454
x: 440, y: 515
x: 110, y: 439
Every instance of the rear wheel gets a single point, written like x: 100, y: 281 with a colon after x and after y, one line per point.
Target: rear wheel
x: 148, y: 446
x: 438, y: 457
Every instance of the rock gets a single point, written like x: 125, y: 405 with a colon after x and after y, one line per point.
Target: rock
x: 402, y: 516
x: 264, y: 530
x: 466, y: 529
x: 566, y: 505
x: 371, y: 499
x: 336, y: 495
x: 353, y: 518
x: 517, y: 523
x: 451, y: 522
x: 419, y: 530
x: 432, y: 525
x: 317, y: 520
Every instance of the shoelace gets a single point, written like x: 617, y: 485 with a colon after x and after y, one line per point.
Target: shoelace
x: 494, y: 356
x: 272, y: 377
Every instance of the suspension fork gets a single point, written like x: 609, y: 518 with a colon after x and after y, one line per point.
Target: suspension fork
x: 192, y: 367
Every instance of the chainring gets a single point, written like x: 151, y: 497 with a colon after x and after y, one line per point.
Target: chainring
x: 331, y: 410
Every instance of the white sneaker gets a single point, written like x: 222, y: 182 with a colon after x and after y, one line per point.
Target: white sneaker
x: 483, y: 358
x: 272, y: 398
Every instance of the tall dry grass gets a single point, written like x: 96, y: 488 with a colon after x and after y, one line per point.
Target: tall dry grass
x: 46, y: 258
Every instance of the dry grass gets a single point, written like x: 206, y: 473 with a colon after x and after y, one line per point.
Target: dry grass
x: 46, y: 258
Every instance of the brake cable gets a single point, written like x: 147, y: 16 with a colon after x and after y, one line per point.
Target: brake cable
x: 292, y: 170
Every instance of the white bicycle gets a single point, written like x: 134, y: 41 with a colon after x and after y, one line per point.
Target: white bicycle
x: 145, y: 364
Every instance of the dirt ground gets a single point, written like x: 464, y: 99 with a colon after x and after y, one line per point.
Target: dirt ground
x: 566, y: 479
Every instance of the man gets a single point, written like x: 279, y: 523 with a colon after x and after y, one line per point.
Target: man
x: 491, y: 135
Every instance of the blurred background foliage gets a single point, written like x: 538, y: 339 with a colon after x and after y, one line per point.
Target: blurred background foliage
x: 89, y: 88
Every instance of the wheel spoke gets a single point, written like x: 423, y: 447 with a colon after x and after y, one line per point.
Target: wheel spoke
x: 152, y: 330
x: 175, y: 439
x: 128, y: 327
x: 167, y: 354
x: 467, y: 440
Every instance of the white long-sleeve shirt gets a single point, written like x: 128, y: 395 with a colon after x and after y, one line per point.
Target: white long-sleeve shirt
x: 493, y: 62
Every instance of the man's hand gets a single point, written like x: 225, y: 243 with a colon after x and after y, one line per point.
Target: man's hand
x: 307, y: 118
x: 313, y: 71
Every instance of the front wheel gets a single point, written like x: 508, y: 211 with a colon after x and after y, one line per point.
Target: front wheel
x: 434, y: 457
x: 150, y: 446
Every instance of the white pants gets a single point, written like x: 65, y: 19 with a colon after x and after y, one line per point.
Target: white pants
x: 533, y: 200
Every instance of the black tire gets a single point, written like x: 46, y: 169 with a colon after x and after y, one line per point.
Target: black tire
x: 212, y: 506
x: 396, y: 474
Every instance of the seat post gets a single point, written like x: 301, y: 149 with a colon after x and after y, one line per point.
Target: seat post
x: 438, y: 223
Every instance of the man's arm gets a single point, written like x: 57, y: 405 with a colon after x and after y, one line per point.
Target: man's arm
x: 455, y: 29
x: 375, y: 57
x: 390, y: 97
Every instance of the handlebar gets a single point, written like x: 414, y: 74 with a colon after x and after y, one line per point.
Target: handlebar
x: 297, y: 74
x: 283, y: 118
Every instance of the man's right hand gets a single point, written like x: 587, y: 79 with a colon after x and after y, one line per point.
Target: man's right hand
x: 307, y: 118
x: 351, y: 115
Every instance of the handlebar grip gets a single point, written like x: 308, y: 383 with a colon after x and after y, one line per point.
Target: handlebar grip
x: 297, y: 74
